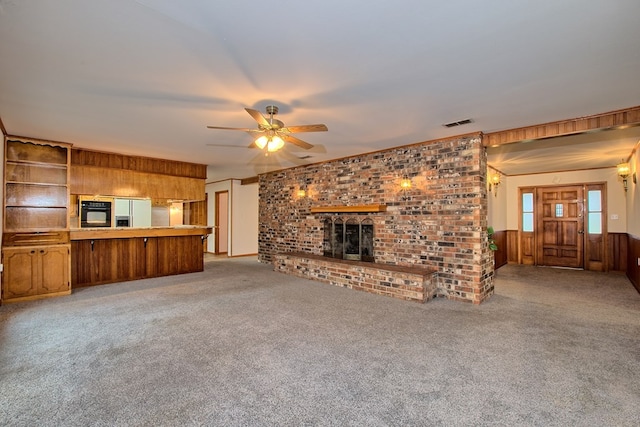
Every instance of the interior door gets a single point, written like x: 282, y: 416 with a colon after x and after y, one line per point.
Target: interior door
x: 560, y: 222
x: 222, y: 222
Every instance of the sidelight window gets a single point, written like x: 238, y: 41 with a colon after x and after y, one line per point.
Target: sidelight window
x: 527, y: 212
x: 594, y: 212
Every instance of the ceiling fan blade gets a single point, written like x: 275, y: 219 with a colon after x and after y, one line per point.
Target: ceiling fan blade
x: 298, y: 161
x: 297, y: 141
x: 263, y: 163
x: 258, y: 117
x: 226, y: 128
x: 305, y: 128
x: 225, y: 145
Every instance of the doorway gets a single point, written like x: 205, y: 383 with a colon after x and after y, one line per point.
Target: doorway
x: 221, y: 222
x: 563, y: 226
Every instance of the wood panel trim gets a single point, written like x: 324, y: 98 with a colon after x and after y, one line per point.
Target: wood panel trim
x: 251, y: 180
x: 613, y: 119
x: 2, y: 128
x: 37, y: 141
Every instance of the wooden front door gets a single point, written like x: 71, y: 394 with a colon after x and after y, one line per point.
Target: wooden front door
x: 560, y: 224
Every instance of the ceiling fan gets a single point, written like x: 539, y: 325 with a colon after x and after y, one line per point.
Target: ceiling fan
x: 272, y: 133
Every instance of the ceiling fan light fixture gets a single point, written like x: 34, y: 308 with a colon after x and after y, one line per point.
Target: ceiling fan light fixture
x: 274, y: 131
x: 262, y: 142
x: 275, y: 143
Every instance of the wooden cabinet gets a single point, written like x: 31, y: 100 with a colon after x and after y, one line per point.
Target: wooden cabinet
x: 35, y: 241
x: 36, y: 186
x: 31, y: 272
x: 94, y: 172
x: 110, y: 260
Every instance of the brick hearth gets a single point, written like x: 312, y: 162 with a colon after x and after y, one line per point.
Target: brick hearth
x: 407, y: 283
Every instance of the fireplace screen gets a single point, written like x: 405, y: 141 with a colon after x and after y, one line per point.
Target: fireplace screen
x: 350, y: 239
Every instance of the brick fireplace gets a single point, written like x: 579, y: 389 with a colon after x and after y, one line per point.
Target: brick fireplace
x: 349, y: 237
x: 437, y: 228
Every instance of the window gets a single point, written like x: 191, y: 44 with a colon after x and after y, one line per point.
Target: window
x: 527, y: 212
x: 594, y: 212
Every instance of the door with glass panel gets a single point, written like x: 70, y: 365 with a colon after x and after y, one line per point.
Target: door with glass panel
x: 560, y: 223
x: 563, y: 226
x: 595, y: 246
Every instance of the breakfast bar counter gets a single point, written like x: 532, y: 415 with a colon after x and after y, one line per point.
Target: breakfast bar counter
x: 109, y: 255
x: 128, y: 232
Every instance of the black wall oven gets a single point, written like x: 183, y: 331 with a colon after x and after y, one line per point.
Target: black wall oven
x: 95, y: 213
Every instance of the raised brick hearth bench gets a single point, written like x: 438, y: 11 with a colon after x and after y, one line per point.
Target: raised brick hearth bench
x: 407, y: 283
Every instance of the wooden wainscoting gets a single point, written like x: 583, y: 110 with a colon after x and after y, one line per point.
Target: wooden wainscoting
x: 507, y: 241
x: 500, y: 256
x: 512, y: 246
x: 633, y: 255
x: 621, y: 254
x: 617, y: 251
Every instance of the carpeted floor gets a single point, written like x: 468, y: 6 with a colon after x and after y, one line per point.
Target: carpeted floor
x: 241, y: 345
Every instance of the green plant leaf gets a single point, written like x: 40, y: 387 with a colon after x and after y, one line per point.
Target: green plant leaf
x: 492, y: 243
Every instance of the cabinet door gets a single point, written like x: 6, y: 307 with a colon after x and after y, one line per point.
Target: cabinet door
x: 54, y: 269
x: 20, y: 271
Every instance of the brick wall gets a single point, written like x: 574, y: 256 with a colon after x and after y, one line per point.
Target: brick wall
x: 439, y: 223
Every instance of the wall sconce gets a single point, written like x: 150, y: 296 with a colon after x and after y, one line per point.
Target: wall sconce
x: 302, y: 192
x: 494, y: 181
x: 405, y: 185
x: 623, y: 172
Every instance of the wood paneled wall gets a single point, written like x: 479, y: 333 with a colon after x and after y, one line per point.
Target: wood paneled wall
x: 94, y: 172
x: 620, y: 252
x: 126, y: 183
x: 633, y: 254
x: 101, y: 261
x: 500, y: 255
x: 617, y: 251
x: 82, y: 157
x: 512, y: 246
x: 195, y: 213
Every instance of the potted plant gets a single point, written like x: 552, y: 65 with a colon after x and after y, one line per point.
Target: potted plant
x: 492, y: 243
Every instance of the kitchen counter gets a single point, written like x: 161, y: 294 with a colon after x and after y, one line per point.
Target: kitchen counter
x: 130, y: 232
x: 108, y: 255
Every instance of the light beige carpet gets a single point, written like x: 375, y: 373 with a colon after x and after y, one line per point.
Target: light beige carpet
x: 241, y: 345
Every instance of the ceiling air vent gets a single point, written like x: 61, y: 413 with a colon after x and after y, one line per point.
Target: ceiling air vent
x: 458, y: 123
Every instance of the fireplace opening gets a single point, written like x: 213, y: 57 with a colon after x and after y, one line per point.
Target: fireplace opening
x: 351, y: 239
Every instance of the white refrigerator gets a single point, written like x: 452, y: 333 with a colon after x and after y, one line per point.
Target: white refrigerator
x: 138, y: 211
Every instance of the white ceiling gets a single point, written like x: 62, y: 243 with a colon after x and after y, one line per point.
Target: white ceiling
x: 146, y: 77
